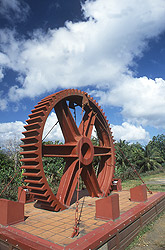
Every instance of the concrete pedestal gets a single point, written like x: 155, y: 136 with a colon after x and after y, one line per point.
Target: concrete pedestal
x: 138, y: 193
x: 11, y: 212
x: 108, y: 208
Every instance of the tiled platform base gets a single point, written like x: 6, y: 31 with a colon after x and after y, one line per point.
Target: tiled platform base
x: 49, y: 230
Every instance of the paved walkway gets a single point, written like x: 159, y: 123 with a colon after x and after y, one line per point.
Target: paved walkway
x: 58, y: 227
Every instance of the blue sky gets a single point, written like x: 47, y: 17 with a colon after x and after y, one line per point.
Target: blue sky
x: 114, y: 50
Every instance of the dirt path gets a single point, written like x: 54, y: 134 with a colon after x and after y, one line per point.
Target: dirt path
x: 154, y: 239
x: 156, y: 181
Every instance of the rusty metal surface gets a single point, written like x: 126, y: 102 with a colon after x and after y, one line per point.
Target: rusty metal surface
x: 108, y: 207
x: 20, y: 240
x: 117, y: 186
x: 112, y: 233
x: 11, y: 212
x: 138, y: 193
x: 77, y: 148
x: 24, y: 195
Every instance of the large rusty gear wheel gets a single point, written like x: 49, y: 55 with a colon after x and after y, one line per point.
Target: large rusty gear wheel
x: 77, y: 148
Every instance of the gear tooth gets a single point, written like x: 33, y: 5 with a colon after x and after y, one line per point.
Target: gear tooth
x: 52, y: 100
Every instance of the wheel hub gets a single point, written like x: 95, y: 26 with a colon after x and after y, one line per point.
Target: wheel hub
x: 77, y: 149
x: 85, y: 151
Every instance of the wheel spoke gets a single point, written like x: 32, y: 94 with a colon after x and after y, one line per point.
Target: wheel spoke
x: 102, y: 132
x: 89, y: 177
x: 65, y: 151
x: 67, y: 122
x: 105, y: 175
x: 68, y: 182
x: 102, y: 151
x: 86, y: 125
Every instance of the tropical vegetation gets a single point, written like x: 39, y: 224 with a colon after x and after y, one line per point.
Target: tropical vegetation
x: 145, y: 159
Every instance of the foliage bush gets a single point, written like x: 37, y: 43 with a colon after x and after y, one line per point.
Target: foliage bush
x: 145, y: 159
x: 53, y: 168
x: 8, y: 169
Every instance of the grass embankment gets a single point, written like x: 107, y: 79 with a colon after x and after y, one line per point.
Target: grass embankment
x: 151, y: 236
x: 154, y: 182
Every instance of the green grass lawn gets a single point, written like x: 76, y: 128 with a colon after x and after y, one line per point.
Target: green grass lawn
x: 151, y: 181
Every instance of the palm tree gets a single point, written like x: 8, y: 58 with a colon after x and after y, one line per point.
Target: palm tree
x: 123, y: 156
x: 152, y: 159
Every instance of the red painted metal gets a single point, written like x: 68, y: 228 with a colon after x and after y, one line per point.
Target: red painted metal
x: 77, y: 148
x: 108, y: 208
x: 25, y: 241
x: 117, y: 234
x: 116, y: 185
x: 24, y: 195
x: 101, y: 235
x: 138, y: 193
x: 11, y: 212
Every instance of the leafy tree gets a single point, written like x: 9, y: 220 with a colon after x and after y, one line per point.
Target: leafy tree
x: 137, y: 155
x: 152, y: 159
x: 142, y: 158
x: 53, y: 168
x: 7, y: 172
x: 158, y: 142
x: 123, y: 157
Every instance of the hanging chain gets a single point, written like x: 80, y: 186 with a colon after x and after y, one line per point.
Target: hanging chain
x: 77, y: 217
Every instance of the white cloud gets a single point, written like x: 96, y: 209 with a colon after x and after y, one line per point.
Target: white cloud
x: 94, y: 52
x: 1, y: 74
x: 14, y: 10
x: 3, y: 102
x: 55, y: 131
x: 11, y: 131
x: 130, y: 133
x: 98, y: 52
x: 142, y: 100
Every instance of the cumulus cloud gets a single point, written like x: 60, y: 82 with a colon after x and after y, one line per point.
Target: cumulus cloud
x: 142, y: 100
x: 130, y: 133
x: 1, y: 75
x: 95, y: 52
x: 55, y: 130
x: 14, y: 10
x: 3, y: 102
x: 11, y: 131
